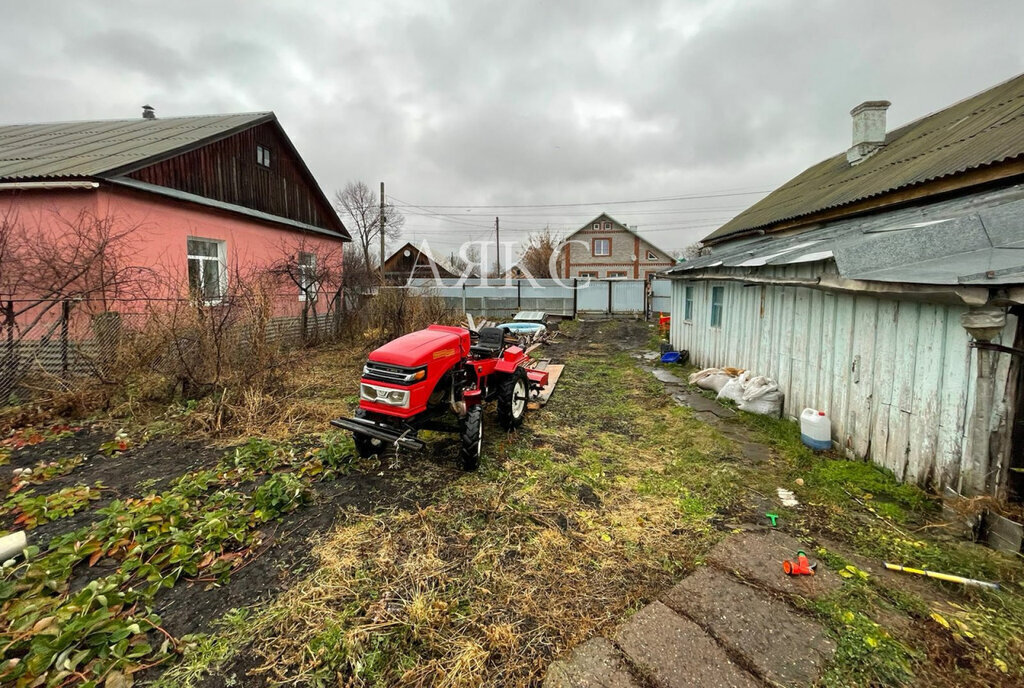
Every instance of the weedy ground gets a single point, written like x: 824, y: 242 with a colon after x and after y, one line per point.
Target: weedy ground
x: 421, y: 575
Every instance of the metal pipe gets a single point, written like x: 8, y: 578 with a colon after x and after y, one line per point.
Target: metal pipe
x: 942, y: 576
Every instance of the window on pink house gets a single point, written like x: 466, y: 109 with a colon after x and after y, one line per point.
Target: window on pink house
x: 207, y: 269
x: 307, y: 276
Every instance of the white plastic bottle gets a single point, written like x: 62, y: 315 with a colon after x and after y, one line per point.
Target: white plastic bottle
x: 815, y: 429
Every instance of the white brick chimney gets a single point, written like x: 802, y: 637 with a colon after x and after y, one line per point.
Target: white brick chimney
x: 868, y: 129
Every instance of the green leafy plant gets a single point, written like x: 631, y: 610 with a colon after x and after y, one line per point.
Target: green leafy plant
x: 281, y: 493
x: 34, y: 510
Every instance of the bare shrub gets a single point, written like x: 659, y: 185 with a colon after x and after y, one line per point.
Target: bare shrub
x: 395, y: 311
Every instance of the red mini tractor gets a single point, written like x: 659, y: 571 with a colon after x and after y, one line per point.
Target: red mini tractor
x: 440, y: 379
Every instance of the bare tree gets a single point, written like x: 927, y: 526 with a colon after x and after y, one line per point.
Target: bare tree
x: 316, y: 273
x: 690, y: 252
x: 538, y: 250
x: 361, y: 207
x: 466, y: 261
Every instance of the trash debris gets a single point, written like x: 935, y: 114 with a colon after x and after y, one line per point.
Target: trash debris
x: 942, y: 576
x: 800, y: 567
x: 787, y: 497
x: 11, y: 545
x: 774, y: 518
x: 799, y: 481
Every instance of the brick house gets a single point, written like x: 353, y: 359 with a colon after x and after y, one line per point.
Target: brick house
x: 605, y: 248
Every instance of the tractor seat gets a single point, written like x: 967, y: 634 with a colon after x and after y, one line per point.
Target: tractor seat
x: 490, y: 343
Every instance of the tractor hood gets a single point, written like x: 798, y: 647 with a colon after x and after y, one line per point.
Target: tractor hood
x: 420, y: 348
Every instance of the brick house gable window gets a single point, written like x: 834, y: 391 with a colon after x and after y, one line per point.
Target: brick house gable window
x: 601, y: 247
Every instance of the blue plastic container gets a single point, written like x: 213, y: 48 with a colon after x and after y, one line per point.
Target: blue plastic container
x: 523, y: 328
x: 670, y: 357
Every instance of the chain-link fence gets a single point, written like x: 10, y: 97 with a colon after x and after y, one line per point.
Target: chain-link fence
x: 45, y: 344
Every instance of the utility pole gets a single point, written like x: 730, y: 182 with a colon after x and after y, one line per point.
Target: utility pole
x: 497, y: 239
x: 382, y: 232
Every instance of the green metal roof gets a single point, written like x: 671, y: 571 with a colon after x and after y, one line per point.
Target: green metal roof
x: 109, y: 147
x: 982, y: 130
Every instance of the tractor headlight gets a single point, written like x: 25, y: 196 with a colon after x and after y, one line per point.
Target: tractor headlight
x: 384, y: 395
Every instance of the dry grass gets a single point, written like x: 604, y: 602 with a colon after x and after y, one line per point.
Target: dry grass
x: 570, y: 525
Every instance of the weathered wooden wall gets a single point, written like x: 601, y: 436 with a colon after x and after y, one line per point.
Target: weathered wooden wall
x: 227, y: 170
x: 895, y: 376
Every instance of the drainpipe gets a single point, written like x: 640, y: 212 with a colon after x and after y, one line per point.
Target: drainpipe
x: 983, y: 324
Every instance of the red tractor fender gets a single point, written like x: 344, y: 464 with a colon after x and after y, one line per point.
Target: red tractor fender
x: 511, y: 358
x: 514, y: 357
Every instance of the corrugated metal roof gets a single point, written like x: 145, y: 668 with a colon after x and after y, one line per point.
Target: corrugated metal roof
x: 975, y: 240
x: 982, y: 130
x: 88, y: 149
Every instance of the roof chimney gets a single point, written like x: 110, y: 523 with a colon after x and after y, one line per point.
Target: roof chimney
x: 868, y: 129
x: 149, y: 113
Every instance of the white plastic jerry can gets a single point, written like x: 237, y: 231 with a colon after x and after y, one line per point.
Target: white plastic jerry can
x: 815, y: 429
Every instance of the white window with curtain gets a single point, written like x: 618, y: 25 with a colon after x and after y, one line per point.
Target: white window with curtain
x: 207, y: 269
x: 307, y: 276
x: 688, y: 304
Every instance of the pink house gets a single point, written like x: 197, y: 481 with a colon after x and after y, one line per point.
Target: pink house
x: 117, y: 215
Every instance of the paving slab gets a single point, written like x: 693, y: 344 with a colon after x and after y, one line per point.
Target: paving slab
x: 775, y: 641
x: 700, y: 404
x: 677, y: 653
x: 757, y: 557
x: 594, y: 664
x: 665, y: 376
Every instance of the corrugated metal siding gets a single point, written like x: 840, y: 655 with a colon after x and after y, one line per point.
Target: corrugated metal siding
x: 896, y: 377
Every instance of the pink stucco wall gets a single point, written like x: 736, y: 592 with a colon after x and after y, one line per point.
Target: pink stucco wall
x: 159, y: 228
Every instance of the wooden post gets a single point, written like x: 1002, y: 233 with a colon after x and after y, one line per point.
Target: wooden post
x: 65, y: 315
x: 519, y: 294
x: 382, y: 233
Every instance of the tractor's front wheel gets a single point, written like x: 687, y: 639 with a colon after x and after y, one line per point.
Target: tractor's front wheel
x: 512, y: 397
x: 366, y: 446
x: 471, y: 437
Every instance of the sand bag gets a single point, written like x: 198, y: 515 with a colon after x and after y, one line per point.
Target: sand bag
x: 710, y: 378
x: 733, y: 389
x: 763, y: 397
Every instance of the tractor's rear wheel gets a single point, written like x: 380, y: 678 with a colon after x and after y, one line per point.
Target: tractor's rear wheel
x: 471, y: 437
x: 366, y: 446
x: 513, y: 395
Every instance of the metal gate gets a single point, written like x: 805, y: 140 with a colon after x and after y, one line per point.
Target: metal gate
x: 661, y: 296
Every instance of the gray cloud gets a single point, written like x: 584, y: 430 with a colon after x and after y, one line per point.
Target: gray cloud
x: 531, y: 102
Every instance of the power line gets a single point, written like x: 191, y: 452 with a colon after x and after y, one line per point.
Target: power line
x: 581, y: 205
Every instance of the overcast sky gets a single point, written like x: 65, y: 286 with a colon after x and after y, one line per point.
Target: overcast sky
x: 519, y: 103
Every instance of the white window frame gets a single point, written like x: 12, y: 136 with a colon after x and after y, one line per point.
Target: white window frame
x: 688, y: 304
x: 608, y: 252
x: 204, y: 263
x: 307, y: 273
x: 607, y: 224
x: 597, y: 225
x: 588, y: 274
x: 616, y: 274
x: 651, y: 255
